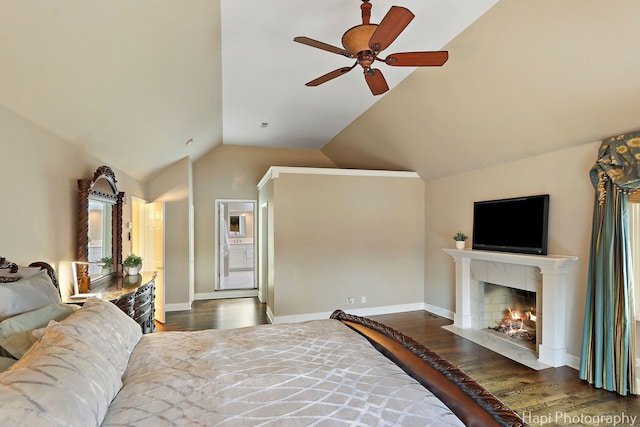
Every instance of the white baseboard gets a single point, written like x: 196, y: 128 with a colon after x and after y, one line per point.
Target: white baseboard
x: 269, y: 315
x: 183, y: 306
x: 572, y: 361
x: 237, y: 293
x: 369, y: 311
x: 447, y: 314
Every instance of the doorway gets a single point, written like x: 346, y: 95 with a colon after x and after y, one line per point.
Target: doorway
x: 154, y: 250
x: 136, y: 228
x: 146, y: 234
x: 236, y: 244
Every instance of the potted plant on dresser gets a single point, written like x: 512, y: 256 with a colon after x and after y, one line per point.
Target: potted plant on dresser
x: 106, y: 262
x: 460, y: 239
x: 132, y: 264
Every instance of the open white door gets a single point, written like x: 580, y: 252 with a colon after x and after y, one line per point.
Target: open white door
x: 154, y: 251
x: 136, y: 231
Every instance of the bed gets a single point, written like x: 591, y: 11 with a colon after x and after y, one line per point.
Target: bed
x: 91, y: 365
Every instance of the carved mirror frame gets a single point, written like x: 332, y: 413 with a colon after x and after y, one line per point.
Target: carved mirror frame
x: 94, y: 189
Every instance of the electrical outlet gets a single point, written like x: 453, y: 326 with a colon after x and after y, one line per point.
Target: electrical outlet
x: 351, y: 300
x: 364, y: 300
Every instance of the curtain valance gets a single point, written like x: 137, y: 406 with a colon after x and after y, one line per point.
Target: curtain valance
x: 618, y: 162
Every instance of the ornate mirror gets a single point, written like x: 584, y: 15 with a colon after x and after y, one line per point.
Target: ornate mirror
x: 99, y: 227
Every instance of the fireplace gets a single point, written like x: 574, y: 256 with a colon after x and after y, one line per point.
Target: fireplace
x: 544, y: 276
x: 511, y: 314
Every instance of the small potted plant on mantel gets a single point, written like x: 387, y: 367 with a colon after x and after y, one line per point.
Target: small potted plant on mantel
x: 132, y: 264
x: 460, y: 239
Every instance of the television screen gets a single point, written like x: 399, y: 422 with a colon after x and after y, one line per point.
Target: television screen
x: 512, y: 225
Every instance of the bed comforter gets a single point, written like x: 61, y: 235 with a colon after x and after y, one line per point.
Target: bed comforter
x: 311, y: 373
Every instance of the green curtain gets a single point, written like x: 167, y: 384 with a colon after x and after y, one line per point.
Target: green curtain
x: 608, y: 342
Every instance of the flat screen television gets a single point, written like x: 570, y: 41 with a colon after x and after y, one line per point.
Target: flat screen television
x: 519, y: 224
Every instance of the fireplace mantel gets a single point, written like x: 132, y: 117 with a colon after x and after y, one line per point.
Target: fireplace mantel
x: 553, y: 262
x: 552, y: 347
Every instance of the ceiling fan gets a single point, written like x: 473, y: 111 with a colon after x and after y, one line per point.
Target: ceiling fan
x: 364, y: 42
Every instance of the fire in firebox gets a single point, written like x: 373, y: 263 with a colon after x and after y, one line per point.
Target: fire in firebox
x: 519, y: 325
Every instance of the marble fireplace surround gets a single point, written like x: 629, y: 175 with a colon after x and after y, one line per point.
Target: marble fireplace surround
x: 545, y: 275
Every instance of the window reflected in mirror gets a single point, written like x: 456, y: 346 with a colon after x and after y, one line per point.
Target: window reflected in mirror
x: 99, y: 241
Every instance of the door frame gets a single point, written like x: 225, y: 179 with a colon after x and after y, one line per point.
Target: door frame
x: 151, y: 245
x: 217, y: 240
x: 136, y: 226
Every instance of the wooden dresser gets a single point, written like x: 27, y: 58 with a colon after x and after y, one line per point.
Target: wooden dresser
x: 135, y: 295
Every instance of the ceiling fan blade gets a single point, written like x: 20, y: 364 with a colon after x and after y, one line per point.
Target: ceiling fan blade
x: 376, y: 81
x: 417, y: 59
x: 329, y: 76
x: 323, y: 46
x: 390, y: 28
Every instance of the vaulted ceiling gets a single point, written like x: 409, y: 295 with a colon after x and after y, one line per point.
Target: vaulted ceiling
x: 529, y: 77
x: 141, y: 84
x: 264, y: 72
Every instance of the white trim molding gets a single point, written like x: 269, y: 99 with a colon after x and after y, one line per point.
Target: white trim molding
x: 231, y: 293
x: 269, y: 315
x: 183, y: 306
x: 370, y: 311
x: 275, y: 172
x: 439, y: 311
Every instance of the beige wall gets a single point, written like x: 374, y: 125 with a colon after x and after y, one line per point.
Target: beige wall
x: 39, y: 195
x: 173, y: 187
x: 233, y: 172
x: 564, y: 175
x: 346, y: 236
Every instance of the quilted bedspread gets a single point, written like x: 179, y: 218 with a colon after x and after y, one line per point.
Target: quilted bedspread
x: 317, y: 373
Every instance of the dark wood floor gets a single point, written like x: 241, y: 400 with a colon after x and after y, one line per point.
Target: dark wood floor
x: 216, y: 314
x: 551, y: 397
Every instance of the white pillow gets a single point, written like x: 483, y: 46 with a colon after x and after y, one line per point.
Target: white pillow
x: 27, y: 294
x: 15, y: 332
x: 61, y: 381
x: 107, y: 328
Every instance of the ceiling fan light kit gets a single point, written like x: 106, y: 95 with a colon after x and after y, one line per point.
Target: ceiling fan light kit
x: 356, y: 39
x: 365, y: 41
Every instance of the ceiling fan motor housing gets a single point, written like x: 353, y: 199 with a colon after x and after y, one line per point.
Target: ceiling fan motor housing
x: 356, y: 41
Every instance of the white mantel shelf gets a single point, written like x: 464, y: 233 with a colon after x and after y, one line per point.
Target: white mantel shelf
x: 542, y: 261
x: 552, y: 348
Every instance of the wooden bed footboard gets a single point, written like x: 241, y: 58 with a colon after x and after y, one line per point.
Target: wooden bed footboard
x: 472, y: 403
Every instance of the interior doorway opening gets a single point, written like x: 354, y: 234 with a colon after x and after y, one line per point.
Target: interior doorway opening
x: 145, y: 233
x: 237, y: 226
